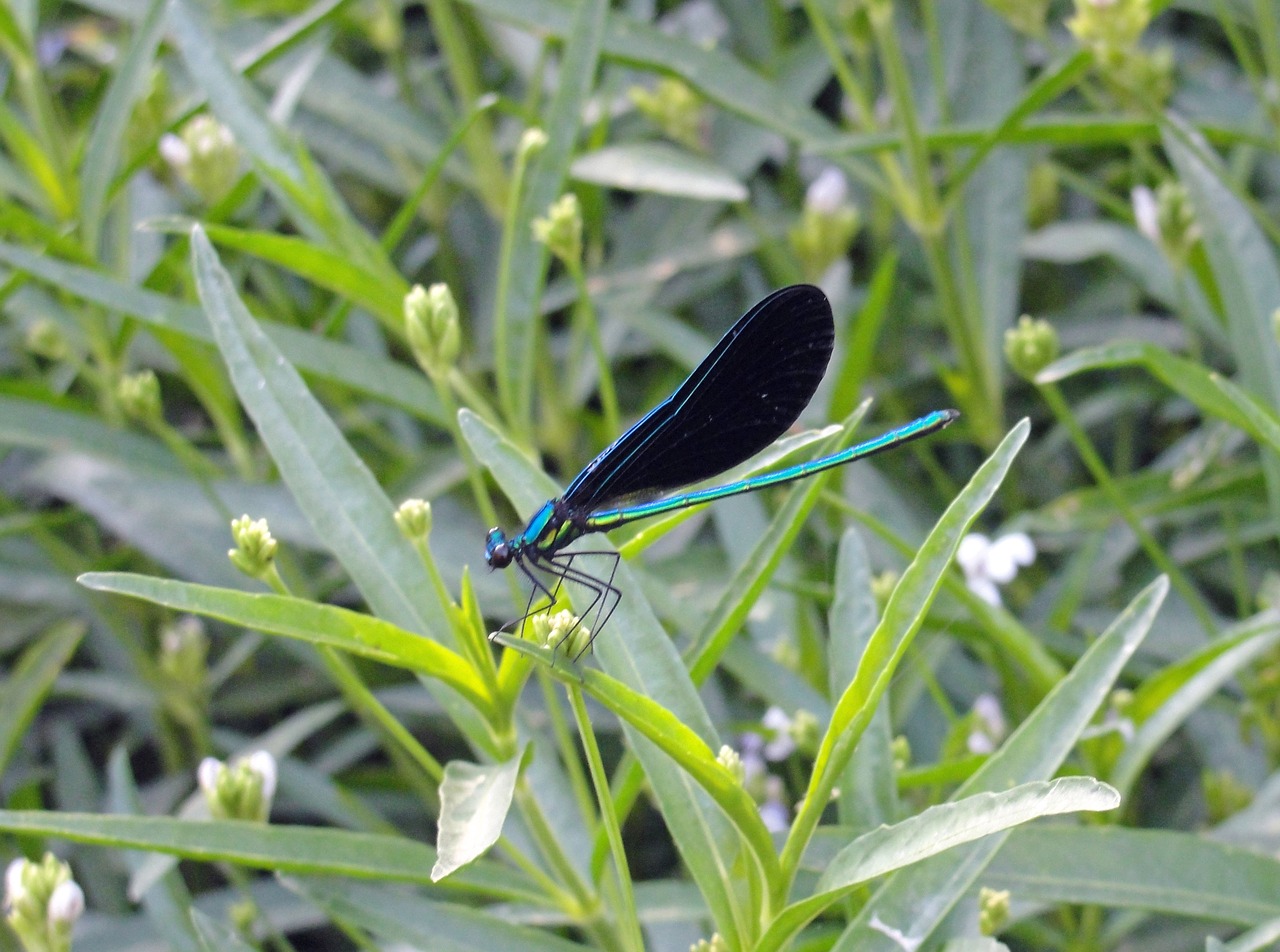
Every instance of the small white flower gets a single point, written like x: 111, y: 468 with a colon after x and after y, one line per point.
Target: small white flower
x: 174, y: 151
x: 207, y: 774
x: 66, y: 905
x: 987, y: 564
x: 1145, y: 212
x: 828, y: 192
x: 782, y: 745
x: 264, y: 765
x: 14, y: 890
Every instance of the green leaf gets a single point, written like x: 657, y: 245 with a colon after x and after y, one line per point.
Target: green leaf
x: 661, y: 169
x: 340, y: 497
x: 363, y: 372
x: 414, y: 922
x: 1211, y: 392
x: 38, y: 425
x: 868, y: 793
x: 1164, y: 701
x: 915, y: 900
x: 525, y: 256
x: 332, y: 270
x: 102, y: 151
x: 217, y: 936
x: 902, y: 617
x: 1186, y: 875
x: 30, y: 680
x: 474, y: 801
x: 297, y: 618
x: 721, y: 77
x: 1245, y: 272
x: 946, y: 825
x: 937, y: 829
x: 296, y: 849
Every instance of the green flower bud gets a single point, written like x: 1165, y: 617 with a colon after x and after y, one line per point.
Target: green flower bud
x: 804, y: 731
x: 1031, y: 346
x: 255, y: 547
x: 715, y: 944
x: 45, y: 339
x: 42, y: 902
x: 241, y: 791
x: 1176, y: 222
x: 205, y: 156
x: 673, y: 107
x: 139, y: 395
x: 828, y: 224
x: 184, y: 654
x: 1224, y: 794
x: 900, y: 750
x: 562, y: 631
x: 433, y: 327
x: 1110, y: 28
x: 561, y: 229
x: 414, y: 519
x: 883, y: 584
x: 532, y: 141
x: 993, y: 910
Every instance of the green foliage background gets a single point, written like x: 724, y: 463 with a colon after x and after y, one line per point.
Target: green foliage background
x: 438, y: 790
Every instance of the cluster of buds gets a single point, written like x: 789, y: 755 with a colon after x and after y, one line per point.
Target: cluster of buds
x: 205, y: 156
x: 239, y: 791
x: 1168, y: 219
x: 561, y: 229
x: 433, y: 327
x: 255, y: 550
x: 42, y: 903
x: 673, y: 107
x: 139, y: 396
x: 828, y: 224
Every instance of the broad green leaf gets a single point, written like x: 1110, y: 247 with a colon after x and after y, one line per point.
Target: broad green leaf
x: 333, y: 270
x: 344, y: 503
x: 1154, y: 871
x: 295, y: 849
x: 217, y: 936
x: 915, y: 900
x: 30, y: 680
x: 1210, y: 391
x: 1165, y: 700
x: 1245, y: 270
x: 327, y: 625
x: 102, y: 151
x: 408, y: 921
x: 38, y: 425
x: 945, y: 825
x: 937, y: 829
x: 902, y: 617
x: 367, y: 373
x: 659, y: 168
x: 868, y: 793
x: 524, y: 258
x: 474, y: 801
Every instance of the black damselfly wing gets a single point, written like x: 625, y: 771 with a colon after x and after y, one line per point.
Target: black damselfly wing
x: 747, y: 392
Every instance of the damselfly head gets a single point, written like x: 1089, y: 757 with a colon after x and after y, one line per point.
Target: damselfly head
x: 497, y: 550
